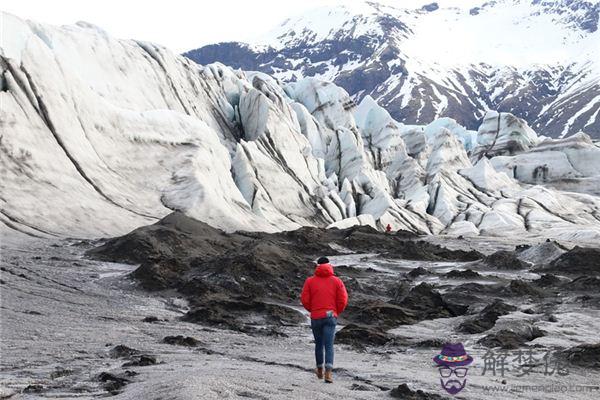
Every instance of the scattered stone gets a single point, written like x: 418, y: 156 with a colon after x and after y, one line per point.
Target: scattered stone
x: 141, y: 361
x: 584, y: 355
x: 151, y: 319
x: 405, y: 393
x: 180, y: 340
x: 510, y: 339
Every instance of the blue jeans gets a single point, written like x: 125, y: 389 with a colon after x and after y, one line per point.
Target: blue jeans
x: 324, y: 332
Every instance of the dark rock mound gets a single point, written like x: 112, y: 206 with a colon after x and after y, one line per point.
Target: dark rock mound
x: 150, y: 319
x: 242, y: 314
x: 229, y: 279
x: 180, y: 340
x: 584, y: 283
x: 113, y: 383
x: 508, y: 339
x: 578, y: 261
x: 547, y: 280
x: 262, y: 268
x: 462, y: 274
x: 518, y: 287
x: 399, y: 290
x: 122, y: 351
x: 379, y: 313
x: 175, y: 237
x: 160, y: 275
x: 368, y: 240
x: 416, y: 272
x: 141, y: 361
x: 469, y: 293
x: 361, y: 335
x: 584, y: 355
x: 427, y: 303
x: 405, y: 393
x: 421, y: 250
x: 35, y: 388
x: 505, y: 260
x: 486, y: 318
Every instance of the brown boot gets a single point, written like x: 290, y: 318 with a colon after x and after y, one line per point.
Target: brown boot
x: 320, y: 372
x: 328, y: 376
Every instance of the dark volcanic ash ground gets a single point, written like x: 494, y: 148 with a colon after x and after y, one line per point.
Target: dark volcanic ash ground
x: 180, y: 310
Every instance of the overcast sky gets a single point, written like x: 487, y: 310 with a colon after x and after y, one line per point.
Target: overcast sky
x: 178, y: 24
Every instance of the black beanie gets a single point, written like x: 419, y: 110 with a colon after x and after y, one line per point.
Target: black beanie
x: 323, y: 260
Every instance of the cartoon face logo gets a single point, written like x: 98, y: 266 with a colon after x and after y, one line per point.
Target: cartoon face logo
x: 452, y: 362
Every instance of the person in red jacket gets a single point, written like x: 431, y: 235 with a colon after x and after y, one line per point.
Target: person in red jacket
x: 325, y: 296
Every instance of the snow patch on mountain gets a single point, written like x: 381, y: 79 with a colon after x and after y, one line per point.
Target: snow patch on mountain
x: 535, y: 59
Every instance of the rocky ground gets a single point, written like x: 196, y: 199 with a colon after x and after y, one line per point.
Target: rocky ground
x: 179, y: 310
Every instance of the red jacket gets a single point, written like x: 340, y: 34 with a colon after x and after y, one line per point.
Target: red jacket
x: 324, y: 292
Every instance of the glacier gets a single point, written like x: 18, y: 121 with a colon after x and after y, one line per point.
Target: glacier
x: 101, y: 135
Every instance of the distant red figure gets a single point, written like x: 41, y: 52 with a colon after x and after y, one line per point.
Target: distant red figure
x: 388, y: 228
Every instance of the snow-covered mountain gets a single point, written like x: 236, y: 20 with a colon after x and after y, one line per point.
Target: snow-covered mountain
x: 100, y: 136
x: 539, y: 60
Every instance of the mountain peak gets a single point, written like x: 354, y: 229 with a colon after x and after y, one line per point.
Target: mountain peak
x: 537, y: 59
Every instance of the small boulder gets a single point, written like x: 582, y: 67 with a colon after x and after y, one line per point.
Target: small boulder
x: 180, y: 340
